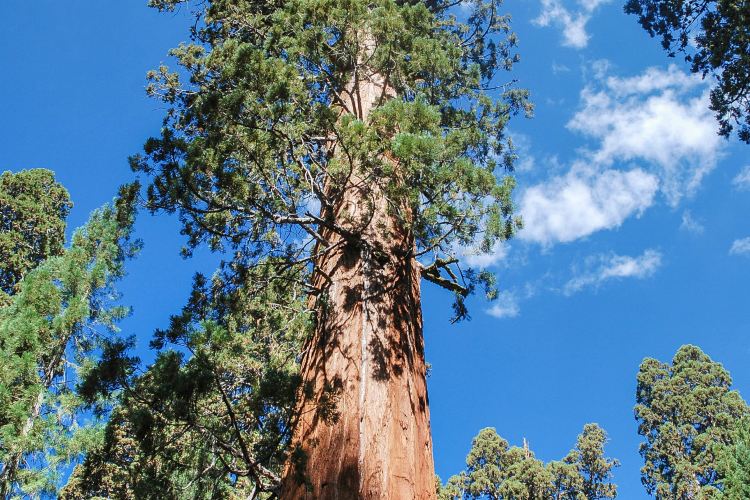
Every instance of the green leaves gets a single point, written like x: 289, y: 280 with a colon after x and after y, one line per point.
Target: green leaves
x: 497, y: 471
x: 33, y: 209
x: 734, y: 463
x: 264, y: 125
x: 59, y: 319
x: 686, y: 412
x: 210, y: 417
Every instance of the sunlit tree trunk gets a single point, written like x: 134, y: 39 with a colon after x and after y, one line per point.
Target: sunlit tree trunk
x: 363, y: 421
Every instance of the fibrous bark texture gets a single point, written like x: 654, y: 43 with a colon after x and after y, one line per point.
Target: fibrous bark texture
x: 363, y: 422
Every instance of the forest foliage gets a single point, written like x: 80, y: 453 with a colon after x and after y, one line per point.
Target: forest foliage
x: 253, y: 153
x: 61, y: 317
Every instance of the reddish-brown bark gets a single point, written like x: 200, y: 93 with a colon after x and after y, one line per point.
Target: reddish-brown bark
x: 367, y: 352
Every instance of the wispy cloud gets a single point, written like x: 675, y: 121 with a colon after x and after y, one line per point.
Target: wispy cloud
x: 559, y: 68
x: 526, y: 161
x: 602, y: 268
x: 742, y: 180
x: 691, y: 224
x: 650, y: 132
x: 594, y: 272
x: 572, y: 24
x: 483, y: 260
x: 740, y: 247
x: 505, y: 306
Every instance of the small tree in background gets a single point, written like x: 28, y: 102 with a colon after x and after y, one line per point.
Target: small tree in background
x: 686, y: 411
x: 60, y: 319
x: 496, y: 471
x: 33, y: 209
x: 593, y: 467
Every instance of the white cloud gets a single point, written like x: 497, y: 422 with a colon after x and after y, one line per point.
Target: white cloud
x: 599, y: 68
x: 651, y: 80
x: 690, y: 224
x: 740, y: 247
x: 522, y: 144
x: 573, y: 24
x: 591, y: 5
x: 742, y: 180
x: 506, y: 306
x: 659, y: 117
x: 607, y: 267
x: 650, y: 132
x: 579, y: 203
x: 559, y: 68
x: 483, y: 260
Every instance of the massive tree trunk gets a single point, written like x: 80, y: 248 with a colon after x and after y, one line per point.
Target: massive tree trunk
x: 363, y: 421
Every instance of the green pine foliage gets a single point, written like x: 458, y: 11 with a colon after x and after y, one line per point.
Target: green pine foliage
x: 210, y: 418
x: 686, y: 412
x: 254, y: 153
x: 61, y: 317
x: 497, y: 471
x: 258, y: 144
x: 734, y: 463
x: 33, y: 209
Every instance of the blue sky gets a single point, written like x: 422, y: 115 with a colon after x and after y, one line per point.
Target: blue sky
x: 636, y: 238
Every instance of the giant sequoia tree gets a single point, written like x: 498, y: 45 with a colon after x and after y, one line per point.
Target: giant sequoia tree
x: 33, y: 209
x: 687, y: 414
x: 364, y: 142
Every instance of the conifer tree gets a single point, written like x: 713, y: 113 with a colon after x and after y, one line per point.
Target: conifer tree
x: 592, y: 466
x: 33, y: 209
x: 363, y: 141
x: 496, y: 471
x: 734, y: 463
x: 60, y: 319
x: 210, y: 418
x: 686, y: 411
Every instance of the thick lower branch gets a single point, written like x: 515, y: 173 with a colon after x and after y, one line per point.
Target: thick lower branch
x: 432, y: 274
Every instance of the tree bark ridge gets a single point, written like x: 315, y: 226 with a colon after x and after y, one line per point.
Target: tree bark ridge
x: 363, y: 418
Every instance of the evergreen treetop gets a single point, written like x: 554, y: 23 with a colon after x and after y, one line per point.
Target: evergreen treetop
x: 686, y: 412
x: 263, y: 137
x: 61, y: 319
x: 497, y: 471
x: 33, y: 209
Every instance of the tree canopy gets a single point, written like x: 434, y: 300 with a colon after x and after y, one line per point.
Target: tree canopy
x: 33, y: 209
x: 497, y: 471
x: 210, y: 417
x: 734, y: 463
x: 262, y: 137
x: 686, y: 411
x: 62, y: 317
